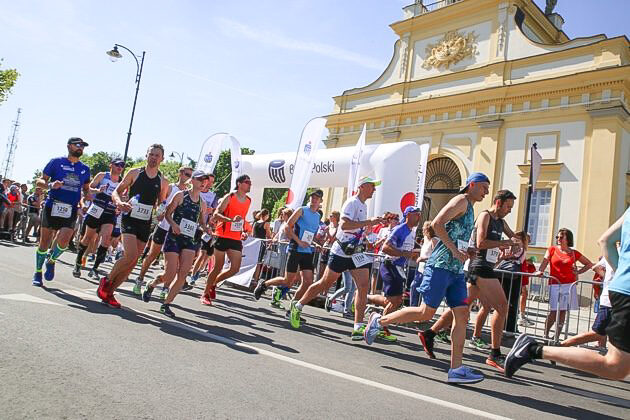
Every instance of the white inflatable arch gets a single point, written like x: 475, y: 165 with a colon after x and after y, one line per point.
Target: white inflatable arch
x: 395, y: 164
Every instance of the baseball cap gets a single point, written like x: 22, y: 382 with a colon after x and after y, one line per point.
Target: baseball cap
x: 198, y: 173
x: 318, y: 193
x: 77, y: 141
x: 411, y: 209
x: 474, y: 177
x: 368, y: 180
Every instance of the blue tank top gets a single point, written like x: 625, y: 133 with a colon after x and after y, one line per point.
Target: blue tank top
x: 458, y: 230
x: 621, y: 282
x: 307, y: 222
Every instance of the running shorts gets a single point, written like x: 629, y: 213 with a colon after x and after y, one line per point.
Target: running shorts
x: 617, y: 330
x: 178, y: 243
x: 602, y: 320
x: 159, y: 235
x: 299, y: 261
x: 224, y: 244
x: 141, y: 229
x: 438, y: 283
x: 393, y: 281
x: 105, y: 219
x: 56, y: 223
x: 340, y: 264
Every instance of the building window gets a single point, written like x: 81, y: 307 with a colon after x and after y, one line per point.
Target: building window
x: 540, y: 217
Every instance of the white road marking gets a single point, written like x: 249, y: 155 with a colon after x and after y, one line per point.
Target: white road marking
x: 23, y: 297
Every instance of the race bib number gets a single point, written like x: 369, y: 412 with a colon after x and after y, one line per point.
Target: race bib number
x: 360, y: 260
x: 63, y: 210
x: 237, y: 226
x: 462, y: 245
x: 188, y: 227
x: 206, y: 237
x: 307, y: 237
x: 95, y: 211
x: 141, y: 211
x: 492, y: 255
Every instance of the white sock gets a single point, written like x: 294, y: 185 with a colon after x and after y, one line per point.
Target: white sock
x: 299, y: 306
x: 360, y: 324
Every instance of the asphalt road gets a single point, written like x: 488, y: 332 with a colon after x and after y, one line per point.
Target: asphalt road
x: 63, y: 354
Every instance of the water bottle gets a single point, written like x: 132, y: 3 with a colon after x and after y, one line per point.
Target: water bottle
x: 161, y: 208
x: 134, y: 201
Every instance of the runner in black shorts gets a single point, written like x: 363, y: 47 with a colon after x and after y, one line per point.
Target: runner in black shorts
x: 145, y: 186
x: 68, y: 177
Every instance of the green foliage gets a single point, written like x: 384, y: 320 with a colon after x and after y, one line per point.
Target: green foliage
x: 99, y: 161
x: 169, y: 168
x: 275, y: 200
x: 223, y: 171
x: 280, y: 202
x: 7, y: 81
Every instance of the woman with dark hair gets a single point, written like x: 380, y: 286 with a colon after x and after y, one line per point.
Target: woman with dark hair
x: 261, y: 230
x: 562, y: 259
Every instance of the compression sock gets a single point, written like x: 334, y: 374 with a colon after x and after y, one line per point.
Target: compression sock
x: 429, y: 333
x: 495, y: 352
x: 40, y: 257
x: 80, y: 253
x: 56, y: 253
x: 101, y: 252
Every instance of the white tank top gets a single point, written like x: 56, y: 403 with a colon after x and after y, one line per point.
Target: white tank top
x: 174, y: 190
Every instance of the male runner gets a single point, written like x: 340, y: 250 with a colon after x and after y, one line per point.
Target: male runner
x: 398, y: 248
x: 145, y: 186
x: 484, y: 282
x: 616, y: 363
x: 159, y: 234
x: 444, y: 277
x: 230, y: 216
x: 100, y: 217
x: 34, y: 220
x: 302, y: 227
x: 67, y: 176
x: 347, y: 253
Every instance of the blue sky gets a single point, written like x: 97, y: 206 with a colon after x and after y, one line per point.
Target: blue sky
x: 256, y: 69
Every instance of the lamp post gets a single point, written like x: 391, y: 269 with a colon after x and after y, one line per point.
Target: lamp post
x: 114, y: 55
x: 180, y: 155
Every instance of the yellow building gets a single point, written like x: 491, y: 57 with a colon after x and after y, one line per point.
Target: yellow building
x: 480, y: 81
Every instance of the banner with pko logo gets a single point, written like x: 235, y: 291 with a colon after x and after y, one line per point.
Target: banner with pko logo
x: 211, y: 150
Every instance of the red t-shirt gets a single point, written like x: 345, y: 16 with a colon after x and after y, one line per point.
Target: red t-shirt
x: 561, y: 265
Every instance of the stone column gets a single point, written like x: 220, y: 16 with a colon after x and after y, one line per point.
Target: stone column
x: 488, y: 158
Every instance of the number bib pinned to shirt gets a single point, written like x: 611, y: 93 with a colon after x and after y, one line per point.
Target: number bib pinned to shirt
x: 492, y: 255
x: 188, y: 228
x: 141, y: 211
x: 95, y: 211
x: 307, y: 237
x: 59, y: 209
x: 360, y: 260
x: 462, y: 245
x: 206, y: 237
x: 237, y: 226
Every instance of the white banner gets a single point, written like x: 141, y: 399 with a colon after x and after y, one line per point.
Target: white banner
x: 536, y: 162
x: 303, y: 167
x: 210, y: 151
x: 355, y: 166
x: 251, y: 249
x: 237, y: 163
x: 422, y: 173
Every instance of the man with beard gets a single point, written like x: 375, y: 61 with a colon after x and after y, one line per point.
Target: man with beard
x: 65, y: 177
x: 144, y: 187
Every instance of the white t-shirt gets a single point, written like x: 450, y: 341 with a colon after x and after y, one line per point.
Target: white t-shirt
x: 355, y: 210
x: 604, y: 300
x: 174, y: 190
x: 426, y: 250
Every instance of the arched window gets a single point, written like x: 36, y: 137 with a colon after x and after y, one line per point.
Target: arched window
x: 443, y: 181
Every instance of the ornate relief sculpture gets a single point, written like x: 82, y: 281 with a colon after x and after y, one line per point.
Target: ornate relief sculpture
x: 451, y: 49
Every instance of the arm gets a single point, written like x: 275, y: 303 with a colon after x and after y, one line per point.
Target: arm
x: 543, y: 264
x: 170, y: 208
x: 586, y: 264
x: 218, y: 213
x: 267, y: 230
x: 95, y: 182
x: 290, y: 228
x: 347, y: 224
x: 452, y: 210
x: 608, y: 241
x: 390, y: 250
x: 165, y: 190
x: 122, y: 187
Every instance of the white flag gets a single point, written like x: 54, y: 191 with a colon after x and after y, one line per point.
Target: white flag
x: 422, y: 173
x: 237, y: 163
x: 536, y: 162
x: 210, y: 151
x: 303, y: 167
x: 353, y: 176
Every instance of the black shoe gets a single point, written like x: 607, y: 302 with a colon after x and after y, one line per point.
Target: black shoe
x: 166, y: 310
x: 260, y: 289
x: 427, y: 344
x: 519, y: 355
x: 146, y: 295
x: 187, y: 286
x: 93, y: 274
x: 76, y: 272
x: 327, y: 304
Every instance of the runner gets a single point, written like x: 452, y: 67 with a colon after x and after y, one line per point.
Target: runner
x: 34, y: 221
x: 100, y: 217
x: 301, y: 229
x: 159, y: 234
x: 230, y: 216
x: 398, y: 249
x: 347, y: 253
x: 616, y: 363
x: 145, y: 186
x: 184, y: 214
x: 444, y: 277
x: 67, y: 176
x: 483, y: 281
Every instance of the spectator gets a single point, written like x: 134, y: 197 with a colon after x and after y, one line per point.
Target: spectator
x: 428, y: 244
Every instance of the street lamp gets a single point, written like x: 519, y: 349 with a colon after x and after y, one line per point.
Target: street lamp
x: 180, y: 155
x: 114, y: 55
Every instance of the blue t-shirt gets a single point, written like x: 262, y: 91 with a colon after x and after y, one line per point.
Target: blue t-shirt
x: 307, y: 222
x: 73, y: 175
x: 621, y: 282
x: 402, y: 238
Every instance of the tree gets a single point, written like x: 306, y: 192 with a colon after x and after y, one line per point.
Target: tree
x: 7, y: 81
x: 99, y: 161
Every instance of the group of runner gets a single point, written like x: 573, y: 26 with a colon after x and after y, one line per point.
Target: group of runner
x: 187, y: 219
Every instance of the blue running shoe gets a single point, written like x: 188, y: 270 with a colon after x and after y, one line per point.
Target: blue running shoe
x: 37, y: 279
x: 373, y: 328
x: 463, y: 375
x: 49, y: 274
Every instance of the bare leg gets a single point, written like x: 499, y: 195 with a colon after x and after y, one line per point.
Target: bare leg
x: 586, y: 337
x: 235, y: 264
x: 185, y: 262
x: 219, y: 260
x: 402, y: 316
x: 123, y: 267
x: 319, y: 286
x: 458, y: 335
x: 361, y: 278
x: 307, y: 281
x: 615, y: 365
x: 154, y: 251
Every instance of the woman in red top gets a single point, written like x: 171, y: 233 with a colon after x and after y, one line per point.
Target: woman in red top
x: 562, y: 259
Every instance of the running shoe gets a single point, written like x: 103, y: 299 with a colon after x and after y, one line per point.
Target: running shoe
x: 137, y: 289
x: 187, y: 286
x: 101, y: 291
x: 49, y: 274
x: 37, y: 279
x: 146, y: 295
x: 372, y: 329
x: 166, y: 310
x: 358, y: 334
x: 427, y: 344
x: 463, y: 375
x: 519, y: 355
x: 496, y: 361
x: 386, y: 335
x: 295, y: 315
x: 478, y: 344
x: 443, y: 338
x: 112, y: 302
x: 91, y: 257
x: 76, y: 271
x: 276, y: 304
x: 525, y: 322
x: 260, y: 289
x: 327, y: 304
x: 163, y: 293
x: 92, y: 274
x: 205, y: 300
x: 287, y: 315
x: 348, y: 315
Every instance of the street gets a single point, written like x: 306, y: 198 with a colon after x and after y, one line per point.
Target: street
x: 66, y: 355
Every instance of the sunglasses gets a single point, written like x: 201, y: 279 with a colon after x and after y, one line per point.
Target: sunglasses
x: 247, y: 182
x: 187, y: 174
x: 120, y: 164
x: 80, y: 145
